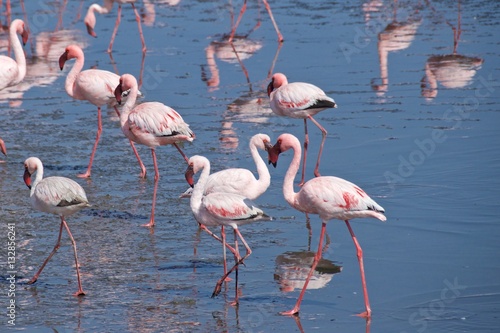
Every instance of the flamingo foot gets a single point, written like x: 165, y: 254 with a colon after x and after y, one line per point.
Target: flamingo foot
x: 234, y: 303
x: 79, y: 293
x: 150, y: 224
x: 33, y: 280
x: 84, y: 175
x: 142, y: 174
x: 217, y: 290
x: 366, y: 315
x: 293, y: 312
x: 227, y: 279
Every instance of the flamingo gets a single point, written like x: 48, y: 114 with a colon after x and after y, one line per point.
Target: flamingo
x: 57, y: 195
x: 221, y: 209
x: 299, y: 100
x: 242, y: 11
x: 97, y: 87
x: 151, y: 124
x: 330, y: 198
x: 239, y: 181
x: 13, y: 71
x: 3, y: 149
x: 90, y: 19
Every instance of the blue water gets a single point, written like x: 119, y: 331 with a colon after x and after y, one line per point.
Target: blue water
x: 429, y: 156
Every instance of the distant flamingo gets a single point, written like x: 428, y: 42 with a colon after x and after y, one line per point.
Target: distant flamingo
x: 240, y: 181
x: 330, y: 198
x: 151, y: 124
x: 3, y: 149
x: 242, y: 11
x: 223, y: 209
x: 299, y: 100
x: 97, y: 87
x: 56, y: 195
x: 90, y: 19
x: 13, y: 71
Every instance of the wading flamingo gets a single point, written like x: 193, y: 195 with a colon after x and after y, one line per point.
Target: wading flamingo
x: 239, y: 181
x: 97, y: 87
x: 151, y: 124
x: 13, y: 71
x: 330, y: 198
x: 299, y: 100
x: 221, y: 209
x: 90, y: 19
x: 56, y: 195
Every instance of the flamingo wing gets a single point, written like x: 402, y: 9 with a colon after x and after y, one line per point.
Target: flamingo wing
x: 235, y: 180
x: 8, y: 71
x: 60, y: 192
x: 232, y: 207
x: 299, y: 96
x: 97, y: 86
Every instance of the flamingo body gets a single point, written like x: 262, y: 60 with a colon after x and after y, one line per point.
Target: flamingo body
x: 13, y: 71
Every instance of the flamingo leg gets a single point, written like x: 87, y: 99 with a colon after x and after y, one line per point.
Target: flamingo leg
x: 203, y: 227
x: 239, y: 261
x: 80, y: 291
x: 138, y: 19
x: 304, y: 158
x: 280, y: 37
x: 141, y: 165
x: 359, y: 252
x: 235, y: 26
x: 317, y: 257
x: 182, y: 153
x: 323, y: 139
x: 56, y: 247
x: 151, y: 222
x: 115, y: 30
x: 223, y: 236
x: 98, y: 136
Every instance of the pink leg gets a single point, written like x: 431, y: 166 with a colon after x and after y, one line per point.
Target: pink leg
x: 317, y: 257
x: 56, y: 247
x: 99, y: 131
x: 115, y: 30
x: 235, y: 26
x: 223, y: 236
x: 138, y: 19
x: 204, y: 228
x: 151, y: 222
x: 141, y: 165
x: 280, y: 37
x: 182, y: 153
x: 323, y: 133
x: 80, y: 290
x: 359, y: 253
x: 304, y: 158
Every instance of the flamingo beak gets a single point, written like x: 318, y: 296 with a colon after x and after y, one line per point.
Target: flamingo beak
x: 25, y: 36
x: 118, y: 93
x: 270, y: 88
x: 27, y: 178
x: 90, y: 30
x: 62, y: 59
x: 189, y: 174
x: 273, y: 154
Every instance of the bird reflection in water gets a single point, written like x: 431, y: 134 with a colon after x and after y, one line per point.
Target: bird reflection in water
x: 451, y: 70
x: 397, y: 36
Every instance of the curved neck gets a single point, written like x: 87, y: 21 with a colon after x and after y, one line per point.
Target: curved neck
x: 264, y: 175
x: 108, y: 5
x: 129, y: 104
x: 199, y: 188
x: 73, y: 73
x: 18, y: 53
x: 288, y: 191
x: 38, y: 177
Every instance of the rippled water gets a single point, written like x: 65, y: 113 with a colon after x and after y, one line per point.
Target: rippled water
x: 416, y: 127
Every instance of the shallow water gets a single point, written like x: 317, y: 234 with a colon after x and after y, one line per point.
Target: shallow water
x: 429, y: 154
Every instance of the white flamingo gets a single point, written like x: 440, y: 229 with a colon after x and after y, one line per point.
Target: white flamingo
x: 299, y: 100
x: 56, y: 195
x: 221, y: 209
x: 13, y: 71
x: 330, y: 198
x: 151, y: 124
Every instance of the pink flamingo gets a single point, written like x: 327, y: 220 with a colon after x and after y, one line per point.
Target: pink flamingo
x: 242, y: 11
x: 299, y: 100
x: 90, y: 19
x: 97, y: 87
x: 330, y: 198
x: 3, y: 149
x: 13, y: 71
x: 239, y: 181
x: 223, y: 209
x: 151, y: 124
x: 56, y: 195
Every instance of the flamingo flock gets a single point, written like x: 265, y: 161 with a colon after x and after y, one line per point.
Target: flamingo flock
x: 221, y: 199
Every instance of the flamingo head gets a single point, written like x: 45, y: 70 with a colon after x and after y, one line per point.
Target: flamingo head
x: 273, y: 152
x: 27, y: 174
x: 119, y: 92
x: 127, y: 82
x: 3, y: 149
x: 277, y: 81
x: 24, y: 34
x: 72, y: 51
x: 189, y: 174
x: 90, y: 20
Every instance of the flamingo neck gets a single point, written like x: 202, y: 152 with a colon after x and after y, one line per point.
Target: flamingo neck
x: 199, y: 188
x: 73, y: 73
x: 38, y: 177
x: 288, y: 191
x: 264, y: 176
x: 129, y: 104
x: 18, y: 53
x: 108, y: 5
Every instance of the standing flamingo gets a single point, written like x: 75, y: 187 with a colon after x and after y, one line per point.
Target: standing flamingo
x: 299, y: 100
x: 90, y: 19
x: 57, y: 195
x: 97, y: 87
x: 239, y: 181
x: 242, y: 11
x: 13, y: 71
x: 151, y: 124
x: 330, y: 198
x: 223, y: 209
